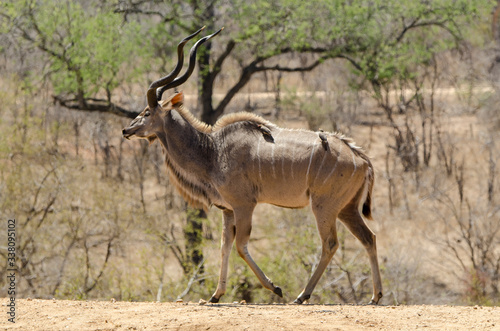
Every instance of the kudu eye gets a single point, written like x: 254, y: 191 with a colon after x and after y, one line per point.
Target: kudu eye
x: 147, y: 114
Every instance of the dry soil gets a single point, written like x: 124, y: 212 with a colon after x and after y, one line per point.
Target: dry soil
x: 110, y: 315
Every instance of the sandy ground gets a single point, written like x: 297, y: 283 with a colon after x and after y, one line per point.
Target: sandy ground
x: 109, y: 315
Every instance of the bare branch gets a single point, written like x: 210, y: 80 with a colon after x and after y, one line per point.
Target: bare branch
x: 40, y: 186
x: 175, y: 248
x: 295, y: 69
x: 68, y: 249
x: 245, y: 76
x: 96, y: 279
x: 220, y: 60
x: 134, y: 8
x: 191, y: 280
x: 351, y: 60
x: 98, y: 105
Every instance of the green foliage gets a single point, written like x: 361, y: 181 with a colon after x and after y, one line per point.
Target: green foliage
x: 90, y: 48
x: 355, y: 28
x: 89, y: 51
x: 397, y: 36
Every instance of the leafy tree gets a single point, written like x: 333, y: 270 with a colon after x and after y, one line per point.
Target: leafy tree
x: 89, y: 45
x: 87, y: 49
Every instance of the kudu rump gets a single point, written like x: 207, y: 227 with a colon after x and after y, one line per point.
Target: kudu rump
x: 244, y: 160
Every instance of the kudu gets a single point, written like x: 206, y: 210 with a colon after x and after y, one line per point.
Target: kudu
x: 244, y: 160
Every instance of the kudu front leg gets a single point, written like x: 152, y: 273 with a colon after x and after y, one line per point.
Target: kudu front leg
x: 243, y: 220
x: 228, y: 233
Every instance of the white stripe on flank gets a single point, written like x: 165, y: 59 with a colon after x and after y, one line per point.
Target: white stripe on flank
x: 283, y: 163
x: 283, y: 149
x: 310, y: 160
x: 336, y: 163
x: 354, y: 162
x: 293, y: 156
x: 272, y: 154
x: 320, y: 166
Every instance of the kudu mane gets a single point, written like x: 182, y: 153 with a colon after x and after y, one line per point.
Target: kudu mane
x: 222, y: 122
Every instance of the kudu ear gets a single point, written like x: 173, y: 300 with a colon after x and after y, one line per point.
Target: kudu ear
x: 177, y: 99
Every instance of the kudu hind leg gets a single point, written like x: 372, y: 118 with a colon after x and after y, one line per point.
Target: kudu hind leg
x: 326, y: 222
x: 228, y: 234
x: 243, y: 220
x: 355, y: 223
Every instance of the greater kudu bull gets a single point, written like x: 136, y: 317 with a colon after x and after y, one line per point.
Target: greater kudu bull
x: 244, y: 160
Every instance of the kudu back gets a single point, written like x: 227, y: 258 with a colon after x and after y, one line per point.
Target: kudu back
x: 244, y: 160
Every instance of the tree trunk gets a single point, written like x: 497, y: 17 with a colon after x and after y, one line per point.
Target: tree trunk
x: 195, y: 217
x: 193, y: 233
x: 206, y: 86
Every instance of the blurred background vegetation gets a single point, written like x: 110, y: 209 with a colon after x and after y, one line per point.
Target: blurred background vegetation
x: 414, y: 82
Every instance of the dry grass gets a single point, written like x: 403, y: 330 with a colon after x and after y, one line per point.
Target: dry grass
x: 113, y: 196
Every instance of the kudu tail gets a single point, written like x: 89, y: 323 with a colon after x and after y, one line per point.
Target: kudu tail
x: 367, y: 204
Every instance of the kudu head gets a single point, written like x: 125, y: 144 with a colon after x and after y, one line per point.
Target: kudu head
x: 149, y: 121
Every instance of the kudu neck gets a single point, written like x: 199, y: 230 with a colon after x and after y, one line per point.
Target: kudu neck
x: 186, y: 145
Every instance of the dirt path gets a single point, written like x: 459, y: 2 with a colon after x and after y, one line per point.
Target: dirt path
x: 101, y: 315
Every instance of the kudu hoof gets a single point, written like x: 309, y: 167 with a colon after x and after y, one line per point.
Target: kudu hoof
x: 301, y: 300
x: 375, y: 300
x: 213, y: 300
x: 278, y: 291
